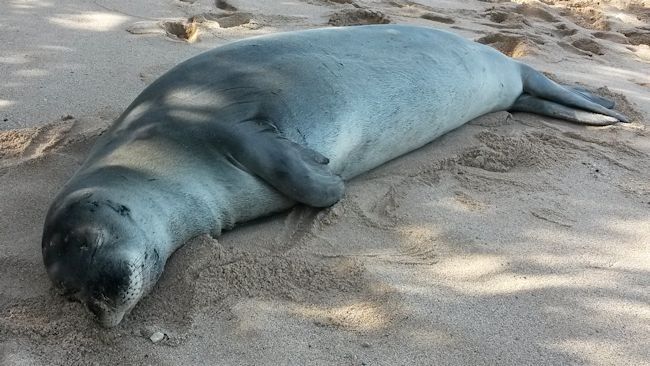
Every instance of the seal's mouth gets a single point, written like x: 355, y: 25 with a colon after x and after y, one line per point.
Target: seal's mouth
x: 106, y: 316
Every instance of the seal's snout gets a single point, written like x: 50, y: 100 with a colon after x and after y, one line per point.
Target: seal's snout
x: 114, y: 286
x: 90, y: 265
x: 93, y: 254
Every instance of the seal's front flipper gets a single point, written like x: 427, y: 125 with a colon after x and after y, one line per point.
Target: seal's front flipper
x: 538, y: 85
x: 295, y: 170
x: 531, y: 104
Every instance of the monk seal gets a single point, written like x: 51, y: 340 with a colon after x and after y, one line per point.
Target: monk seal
x: 256, y: 126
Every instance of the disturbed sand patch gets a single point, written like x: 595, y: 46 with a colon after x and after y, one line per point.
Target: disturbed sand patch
x: 515, y: 46
x: 350, y: 17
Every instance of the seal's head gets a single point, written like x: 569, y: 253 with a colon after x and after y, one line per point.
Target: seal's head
x: 95, y: 253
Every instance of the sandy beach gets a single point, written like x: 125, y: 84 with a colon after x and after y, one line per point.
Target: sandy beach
x: 514, y: 240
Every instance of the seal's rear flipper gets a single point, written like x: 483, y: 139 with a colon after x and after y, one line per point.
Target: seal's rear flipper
x: 609, y: 104
x: 295, y: 170
x: 528, y: 103
x: 538, y: 85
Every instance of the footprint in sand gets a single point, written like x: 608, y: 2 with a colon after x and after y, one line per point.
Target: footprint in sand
x: 224, y: 5
x: 405, y: 4
x: 515, y: 46
x: 188, y: 29
x: 535, y: 11
x: 564, y: 30
x: 185, y: 30
x: 437, y: 18
x: 637, y: 38
x: 349, y: 17
x: 412, y: 9
x: 586, y: 16
x: 588, y: 45
x: 516, y: 17
x: 572, y: 49
x: 583, y: 47
x: 498, y: 16
x: 227, y: 20
x: 611, y: 36
x: 503, y: 16
x: 179, y: 29
x: 504, y: 19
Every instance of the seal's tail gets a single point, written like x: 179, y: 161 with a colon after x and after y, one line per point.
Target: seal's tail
x: 546, y: 97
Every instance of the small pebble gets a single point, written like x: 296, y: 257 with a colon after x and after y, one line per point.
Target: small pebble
x: 157, y: 337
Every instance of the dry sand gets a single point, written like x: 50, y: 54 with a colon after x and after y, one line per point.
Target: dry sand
x: 515, y: 240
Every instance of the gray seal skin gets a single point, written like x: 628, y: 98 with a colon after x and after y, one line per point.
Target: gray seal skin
x: 256, y: 126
